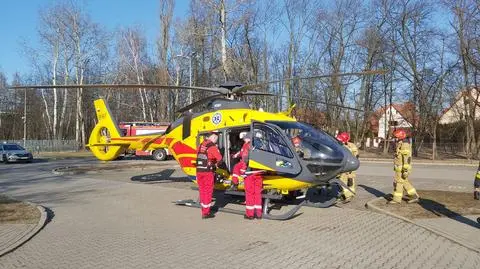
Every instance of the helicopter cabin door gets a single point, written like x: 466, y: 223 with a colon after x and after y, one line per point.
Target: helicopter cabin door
x: 271, y: 150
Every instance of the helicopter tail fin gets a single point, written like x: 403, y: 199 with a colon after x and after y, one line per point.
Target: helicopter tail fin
x: 105, y: 118
x: 100, y: 141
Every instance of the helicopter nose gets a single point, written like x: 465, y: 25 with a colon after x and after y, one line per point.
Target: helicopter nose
x: 351, y: 163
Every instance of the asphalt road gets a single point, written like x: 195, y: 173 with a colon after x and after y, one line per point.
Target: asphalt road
x: 104, y: 221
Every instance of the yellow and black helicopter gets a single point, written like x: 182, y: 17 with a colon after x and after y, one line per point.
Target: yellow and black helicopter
x: 273, y: 153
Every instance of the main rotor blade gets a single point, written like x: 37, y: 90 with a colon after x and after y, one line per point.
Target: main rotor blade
x: 199, y: 102
x: 125, y: 86
x: 322, y: 102
x: 259, y: 85
x: 258, y: 93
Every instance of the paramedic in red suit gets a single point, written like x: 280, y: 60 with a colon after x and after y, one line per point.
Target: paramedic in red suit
x: 240, y: 168
x: 253, y: 191
x: 208, y: 156
x: 253, y: 196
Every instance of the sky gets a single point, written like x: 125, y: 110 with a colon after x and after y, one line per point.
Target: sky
x: 19, y: 18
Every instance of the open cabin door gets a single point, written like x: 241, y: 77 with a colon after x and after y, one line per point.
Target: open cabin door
x: 272, y: 151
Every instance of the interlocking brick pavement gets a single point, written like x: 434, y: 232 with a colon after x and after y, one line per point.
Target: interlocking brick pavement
x: 113, y: 224
x: 11, y: 233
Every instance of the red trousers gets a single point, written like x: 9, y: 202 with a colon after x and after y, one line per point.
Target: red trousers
x: 253, y: 195
x: 238, y: 170
x: 205, y: 187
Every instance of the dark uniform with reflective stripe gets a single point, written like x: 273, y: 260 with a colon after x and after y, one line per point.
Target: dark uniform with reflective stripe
x: 476, y: 184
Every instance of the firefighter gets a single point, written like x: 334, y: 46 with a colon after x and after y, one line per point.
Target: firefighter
x: 402, y: 168
x: 476, y: 185
x: 208, y: 157
x: 349, y: 177
x: 240, y: 168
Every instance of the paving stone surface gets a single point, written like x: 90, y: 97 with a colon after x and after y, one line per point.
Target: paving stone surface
x: 100, y: 223
x: 10, y: 234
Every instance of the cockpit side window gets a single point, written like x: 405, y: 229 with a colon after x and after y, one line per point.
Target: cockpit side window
x: 267, y: 139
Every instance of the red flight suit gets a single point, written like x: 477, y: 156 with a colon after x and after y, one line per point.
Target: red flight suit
x: 253, y: 184
x: 253, y: 195
x: 240, y: 168
x: 207, y: 156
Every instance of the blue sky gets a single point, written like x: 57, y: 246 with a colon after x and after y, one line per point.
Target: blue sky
x: 18, y: 22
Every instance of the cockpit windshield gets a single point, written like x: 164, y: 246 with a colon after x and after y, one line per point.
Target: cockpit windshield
x: 311, y: 143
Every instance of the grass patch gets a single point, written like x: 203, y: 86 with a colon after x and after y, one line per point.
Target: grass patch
x: 17, y: 212
x: 435, y: 204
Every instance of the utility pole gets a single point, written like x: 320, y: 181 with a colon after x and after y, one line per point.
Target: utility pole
x: 25, y: 117
x: 190, y: 93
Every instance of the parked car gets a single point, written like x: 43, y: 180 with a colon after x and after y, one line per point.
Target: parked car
x: 11, y: 152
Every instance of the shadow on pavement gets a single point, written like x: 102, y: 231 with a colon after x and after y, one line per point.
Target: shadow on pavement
x: 441, y: 210
x: 373, y: 191
x: 165, y: 176
x: 50, y: 214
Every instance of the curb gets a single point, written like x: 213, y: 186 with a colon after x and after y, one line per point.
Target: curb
x: 367, y: 160
x: 374, y: 208
x: 30, y: 234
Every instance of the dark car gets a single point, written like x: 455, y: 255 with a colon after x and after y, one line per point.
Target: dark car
x: 11, y: 152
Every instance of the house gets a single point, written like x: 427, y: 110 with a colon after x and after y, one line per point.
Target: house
x: 392, y: 117
x: 461, y: 107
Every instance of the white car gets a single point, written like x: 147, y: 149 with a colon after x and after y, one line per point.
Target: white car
x: 11, y: 152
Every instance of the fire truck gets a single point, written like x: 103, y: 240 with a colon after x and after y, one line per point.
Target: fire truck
x: 144, y: 128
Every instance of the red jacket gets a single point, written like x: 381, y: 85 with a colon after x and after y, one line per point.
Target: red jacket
x: 243, y: 153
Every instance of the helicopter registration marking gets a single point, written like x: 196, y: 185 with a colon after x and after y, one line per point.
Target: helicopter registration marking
x: 217, y: 118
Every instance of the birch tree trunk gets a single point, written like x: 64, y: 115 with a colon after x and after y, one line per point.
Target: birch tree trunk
x: 223, y: 40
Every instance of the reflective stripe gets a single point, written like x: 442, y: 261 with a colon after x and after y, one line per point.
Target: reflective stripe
x: 411, y: 192
x: 234, y: 175
x: 250, y: 207
x: 257, y: 206
x: 206, y: 205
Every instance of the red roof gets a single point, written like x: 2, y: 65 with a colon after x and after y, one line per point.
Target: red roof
x: 406, y: 110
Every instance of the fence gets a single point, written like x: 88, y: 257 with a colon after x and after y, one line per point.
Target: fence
x: 48, y: 145
x: 451, y: 150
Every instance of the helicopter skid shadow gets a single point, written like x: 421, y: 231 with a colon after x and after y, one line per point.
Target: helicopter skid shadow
x: 164, y: 176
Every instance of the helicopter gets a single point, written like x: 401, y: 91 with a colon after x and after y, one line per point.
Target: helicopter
x: 273, y: 154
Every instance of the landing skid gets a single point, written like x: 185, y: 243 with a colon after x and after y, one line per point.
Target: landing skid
x: 192, y: 203
x: 317, y: 197
x: 266, y: 208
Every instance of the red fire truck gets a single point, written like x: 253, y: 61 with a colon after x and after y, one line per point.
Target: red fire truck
x: 143, y: 128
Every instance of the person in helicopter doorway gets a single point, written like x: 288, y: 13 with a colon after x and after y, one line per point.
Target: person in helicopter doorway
x: 208, y: 157
x: 348, y: 178
x: 240, y: 168
x: 253, y: 180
